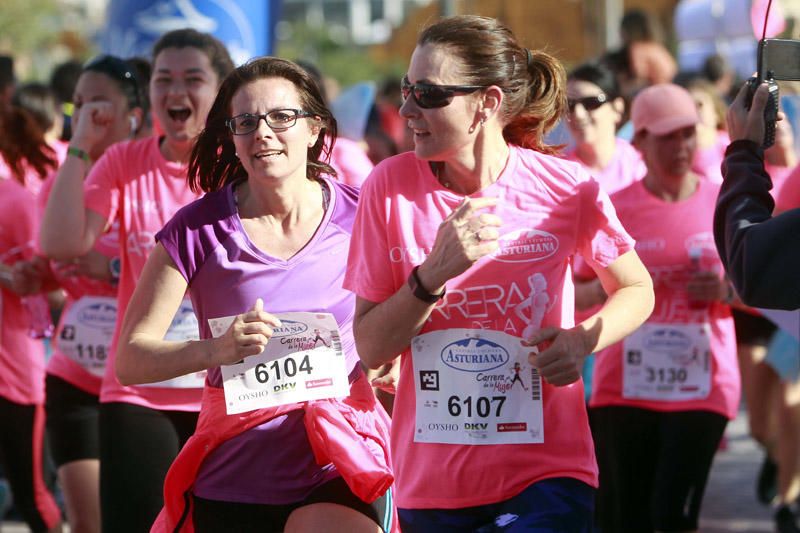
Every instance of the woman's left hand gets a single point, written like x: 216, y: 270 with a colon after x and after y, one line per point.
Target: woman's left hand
x: 560, y: 354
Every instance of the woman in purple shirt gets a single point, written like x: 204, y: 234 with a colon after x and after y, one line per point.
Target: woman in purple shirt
x: 272, y: 232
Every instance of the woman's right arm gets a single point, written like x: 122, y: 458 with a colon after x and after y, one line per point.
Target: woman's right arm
x: 384, y: 330
x: 143, y: 356
x: 69, y: 229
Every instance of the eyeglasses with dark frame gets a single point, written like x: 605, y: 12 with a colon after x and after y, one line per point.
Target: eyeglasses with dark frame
x: 118, y: 69
x: 277, y: 120
x: 430, y: 96
x: 589, y: 103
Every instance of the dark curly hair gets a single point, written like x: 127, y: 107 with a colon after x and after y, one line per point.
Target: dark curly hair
x: 213, y: 163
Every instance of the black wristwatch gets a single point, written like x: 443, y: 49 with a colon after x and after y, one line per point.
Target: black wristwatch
x: 421, y: 292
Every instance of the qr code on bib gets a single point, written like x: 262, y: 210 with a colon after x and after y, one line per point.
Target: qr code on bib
x: 429, y: 380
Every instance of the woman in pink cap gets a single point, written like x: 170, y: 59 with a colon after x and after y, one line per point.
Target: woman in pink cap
x: 662, y: 397
x: 460, y: 259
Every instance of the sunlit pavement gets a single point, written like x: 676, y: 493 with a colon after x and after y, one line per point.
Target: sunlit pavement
x: 730, y: 504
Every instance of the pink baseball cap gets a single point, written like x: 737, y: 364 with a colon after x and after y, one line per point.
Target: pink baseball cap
x: 663, y: 108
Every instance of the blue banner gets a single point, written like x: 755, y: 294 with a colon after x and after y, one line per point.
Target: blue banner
x: 246, y: 27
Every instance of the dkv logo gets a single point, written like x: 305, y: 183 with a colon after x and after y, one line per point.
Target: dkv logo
x: 474, y: 355
x: 525, y: 245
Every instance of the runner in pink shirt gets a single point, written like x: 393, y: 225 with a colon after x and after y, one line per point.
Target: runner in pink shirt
x: 22, y: 365
x: 141, y: 184
x: 595, y: 111
x: 460, y: 260
x: 662, y: 397
x: 82, y: 338
x: 272, y: 233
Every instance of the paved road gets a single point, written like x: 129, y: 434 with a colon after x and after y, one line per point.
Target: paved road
x: 729, y: 505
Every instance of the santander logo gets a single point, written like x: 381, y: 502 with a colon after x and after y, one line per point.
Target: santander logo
x: 525, y: 245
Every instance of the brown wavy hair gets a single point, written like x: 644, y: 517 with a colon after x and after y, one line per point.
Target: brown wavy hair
x: 213, y: 163
x: 23, y: 144
x: 534, y: 82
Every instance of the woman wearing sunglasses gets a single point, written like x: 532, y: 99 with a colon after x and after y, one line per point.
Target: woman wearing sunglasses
x: 595, y: 109
x: 271, y: 233
x: 141, y: 185
x: 109, y: 92
x: 460, y: 262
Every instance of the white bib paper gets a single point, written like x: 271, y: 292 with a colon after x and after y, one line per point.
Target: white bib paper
x: 86, y: 331
x: 667, y: 362
x: 302, y: 361
x: 475, y: 386
x: 183, y: 328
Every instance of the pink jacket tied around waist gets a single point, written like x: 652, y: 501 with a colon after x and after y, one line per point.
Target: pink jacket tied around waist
x: 352, y: 433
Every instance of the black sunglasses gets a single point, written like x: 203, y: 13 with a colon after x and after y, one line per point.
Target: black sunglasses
x: 120, y: 70
x: 429, y: 96
x: 589, y: 103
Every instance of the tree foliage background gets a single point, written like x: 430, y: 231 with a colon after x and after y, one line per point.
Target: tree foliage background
x: 40, y: 33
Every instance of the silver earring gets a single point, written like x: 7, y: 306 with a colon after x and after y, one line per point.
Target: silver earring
x: 483, y: 119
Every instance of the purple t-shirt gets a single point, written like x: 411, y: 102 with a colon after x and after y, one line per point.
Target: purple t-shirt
x: 271, y: 463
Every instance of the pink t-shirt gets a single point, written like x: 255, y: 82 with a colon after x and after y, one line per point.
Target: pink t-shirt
x: 624, y: 168
x: 708, y: 161
x: 21, y: 357
x: 665, y: 234
x: 93, y: 335
x: 133, y: 182
x: 789, y: 195
x: 551, y: 209
x: 350, y: 161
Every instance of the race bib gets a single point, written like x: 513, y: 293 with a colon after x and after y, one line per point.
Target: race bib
x: 302, y: 361
x: 86, y: 331
x: 667, y: 362
x: 475, y: 387
x: 183, y: 328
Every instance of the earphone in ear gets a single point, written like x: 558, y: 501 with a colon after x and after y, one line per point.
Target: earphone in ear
x: 134, y: 123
